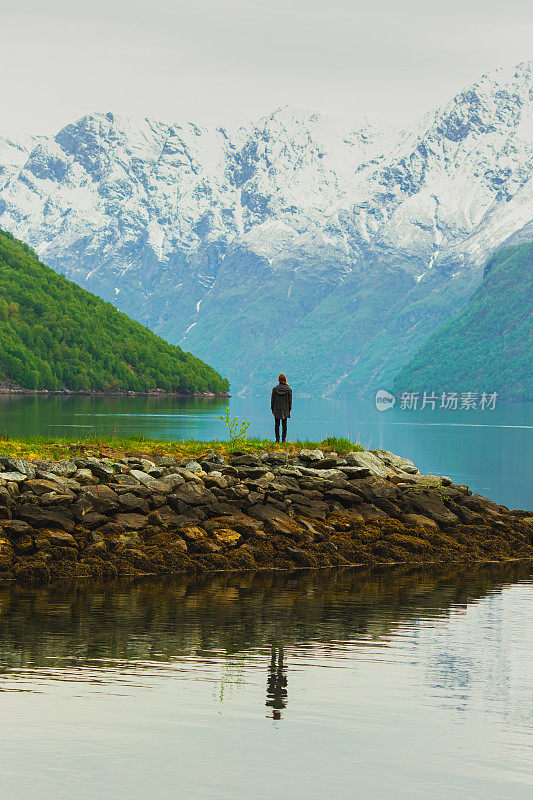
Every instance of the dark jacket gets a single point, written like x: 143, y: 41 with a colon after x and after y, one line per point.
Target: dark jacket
x: 281, y: 401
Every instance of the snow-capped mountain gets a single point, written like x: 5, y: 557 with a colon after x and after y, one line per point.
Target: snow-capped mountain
x: 326, y: 245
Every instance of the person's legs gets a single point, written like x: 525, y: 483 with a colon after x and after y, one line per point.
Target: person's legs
x: 276, y: 429
x: 284, y: 429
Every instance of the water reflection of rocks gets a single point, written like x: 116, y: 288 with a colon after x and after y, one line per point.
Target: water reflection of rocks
x: 153, y: 621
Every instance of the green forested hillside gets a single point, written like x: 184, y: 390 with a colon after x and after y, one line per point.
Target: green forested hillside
x: 53, y: 334
x: 489, y: 345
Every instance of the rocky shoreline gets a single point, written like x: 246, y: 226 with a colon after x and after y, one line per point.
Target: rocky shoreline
x: 20, y: 392
x: 132, y: 515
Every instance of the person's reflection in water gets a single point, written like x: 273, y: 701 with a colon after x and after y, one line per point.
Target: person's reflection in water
x: 276, y: 683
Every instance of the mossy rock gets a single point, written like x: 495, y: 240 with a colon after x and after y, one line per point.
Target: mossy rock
x: 226, y: 537
x: 34, y: 572
x: 412, y: 544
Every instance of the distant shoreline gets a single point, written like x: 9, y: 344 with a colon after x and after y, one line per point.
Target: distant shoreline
x: 97, y: 393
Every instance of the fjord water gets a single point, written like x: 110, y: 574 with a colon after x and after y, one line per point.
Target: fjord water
x: 354, y: 683
x: 490, y: 451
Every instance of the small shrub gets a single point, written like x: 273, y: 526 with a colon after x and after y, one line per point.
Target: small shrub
x: 237, y: 429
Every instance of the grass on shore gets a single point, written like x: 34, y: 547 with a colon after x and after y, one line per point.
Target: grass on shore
x: 42, y: 447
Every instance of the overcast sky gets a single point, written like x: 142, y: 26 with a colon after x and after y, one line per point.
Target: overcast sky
x: 217, y: 60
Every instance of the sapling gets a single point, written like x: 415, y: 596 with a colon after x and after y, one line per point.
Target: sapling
x: 237, y: 429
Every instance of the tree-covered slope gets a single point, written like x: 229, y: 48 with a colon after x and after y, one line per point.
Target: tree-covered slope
x: 54, y: 335
x: 489, y: 345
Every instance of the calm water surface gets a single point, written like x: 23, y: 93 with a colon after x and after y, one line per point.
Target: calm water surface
x: 491, y: 451
x: 368, y: 684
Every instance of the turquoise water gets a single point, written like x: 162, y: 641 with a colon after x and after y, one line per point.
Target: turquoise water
x: 370, y: 684
x: 491, y: 451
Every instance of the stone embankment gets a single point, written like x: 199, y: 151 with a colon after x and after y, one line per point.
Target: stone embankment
x: 99, y: 517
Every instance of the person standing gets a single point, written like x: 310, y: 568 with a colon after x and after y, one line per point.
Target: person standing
x: 281, y: 404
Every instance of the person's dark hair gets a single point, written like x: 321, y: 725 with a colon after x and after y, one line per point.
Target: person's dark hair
x: 282, y: 378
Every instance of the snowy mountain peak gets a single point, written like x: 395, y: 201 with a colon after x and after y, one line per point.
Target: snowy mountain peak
x: 168, y: 220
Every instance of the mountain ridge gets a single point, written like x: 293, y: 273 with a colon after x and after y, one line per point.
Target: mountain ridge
x: 487, y: 346
x: 280, y: 226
